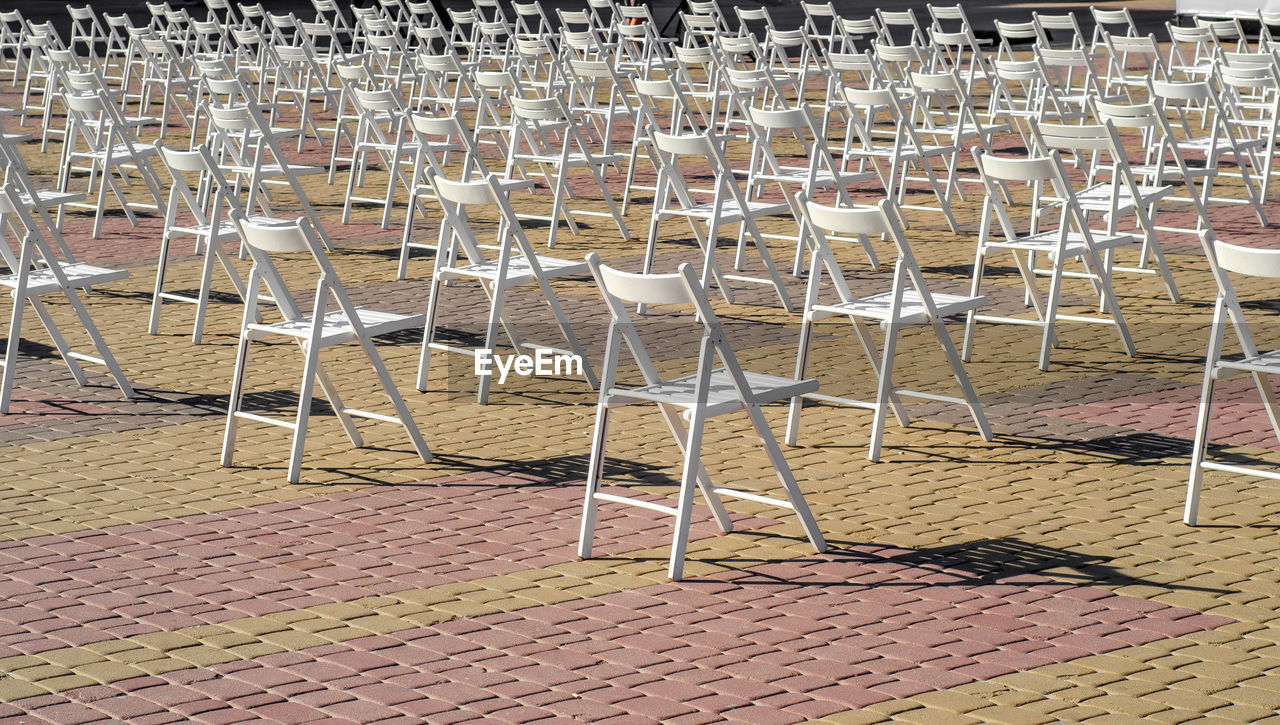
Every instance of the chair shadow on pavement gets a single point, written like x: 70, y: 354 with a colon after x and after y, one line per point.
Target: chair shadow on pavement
x: 977, y: 563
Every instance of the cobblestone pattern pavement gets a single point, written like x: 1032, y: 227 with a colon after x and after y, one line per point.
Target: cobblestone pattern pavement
x: 1042, y: 576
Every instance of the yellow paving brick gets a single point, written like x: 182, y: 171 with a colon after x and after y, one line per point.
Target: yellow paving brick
x: 1009, y: 715
x: 12, y: 689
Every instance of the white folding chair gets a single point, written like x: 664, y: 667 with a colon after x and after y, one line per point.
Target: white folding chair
x: 1117, y: 196
x: 35, y: 271
x: 533, y: 120
x: 867, y: 108
x: 1164, y: 162
x: 1175, y: 99
x: 1012, y: 34
x: 204, y: 213
x: 165, y: 71
x: 331, y: 322
x: 110, y: 149
x: 710, y: 391
x: 908, y: 302
x: 1072, y: 240
x: 301, y: 80
x: 728, y: 205
x: 1064, y: 29
x: 1251, y: 98
x: 1226, y: 259
x: 380, y: 135
x: 516, y: 264
x: 820, y: 170
x: 40, y: 201
x: 242, y: 136
x: 1116, y: 22
x: 904, y: 19
x: 1123, y: 52
x: 1192, y: 51
x: 436, y: 137
x: 14, y: 51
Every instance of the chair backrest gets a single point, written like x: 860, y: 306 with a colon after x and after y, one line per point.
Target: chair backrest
x: 1248, y: 261
x: 278, y: 236
x: 848, y: 221
x: 1001, y: 168
x: 634, y: 288
x: 1182, y: 91
x: 682, y: 288
x: 1061, y: 24
x: 452, y: 130
x: 455, y: 199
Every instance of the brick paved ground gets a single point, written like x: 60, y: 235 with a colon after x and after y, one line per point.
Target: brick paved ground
x: 1042, y: 576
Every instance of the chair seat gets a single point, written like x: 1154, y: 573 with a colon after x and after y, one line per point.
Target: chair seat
x: 226, y: 229
x: 729, y: 213
x: 1208, y: 144
x: 722, y: 397
x: 120, y: 153
x: 1169, y: 171
x: 604, y: 111
x: 507, y: 185
x: 275, y: 170
x: 1048, y: 242
x: 78, y: 274
x: 912, y: 311
x: 49, y: 198
x: 903, y: 154
x: 337, y: 329
x: 574, y: 159
x: 519, y: 271
x: 1268, y: 362
x: 405, y: 148
x: 949, y: 129
x: 1098, y: 196
x: 824, y: 178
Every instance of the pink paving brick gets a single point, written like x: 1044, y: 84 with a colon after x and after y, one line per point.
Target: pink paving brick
x: 251, y: 562
x: 32, y: 407
x: 611, y: 672
x: 1238, y: 416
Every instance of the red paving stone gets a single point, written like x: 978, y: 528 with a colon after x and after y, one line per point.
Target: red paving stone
x: 569, y: 674
x: 1238, y: 416
x: 33, y: 407
x: 126, y: 580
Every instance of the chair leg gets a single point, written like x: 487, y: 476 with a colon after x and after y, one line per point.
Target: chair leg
x: 874, y: 358
x: 884, y: 389
x: 162, y: 265
x: 567, y: 330
x: 11, y: 355
x: 595, y: 473
x: 397, y: 402
x: 202, y: 299
x: 402, y: 267
x: 59, y: 342
x: 1201, y: 442
x: 718, y: 512
x: 979, y: 262
x: 100, y: 344
x: 237, y: 396
x: 785, y: 476
x: 312, y: 351
x: 962, y: 377
x: 684, y: 508
x: 1051, y: 314
x: 802, y: 365
x: 491, y: 337
x: 429, y: 329
x: 1109, y: 295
